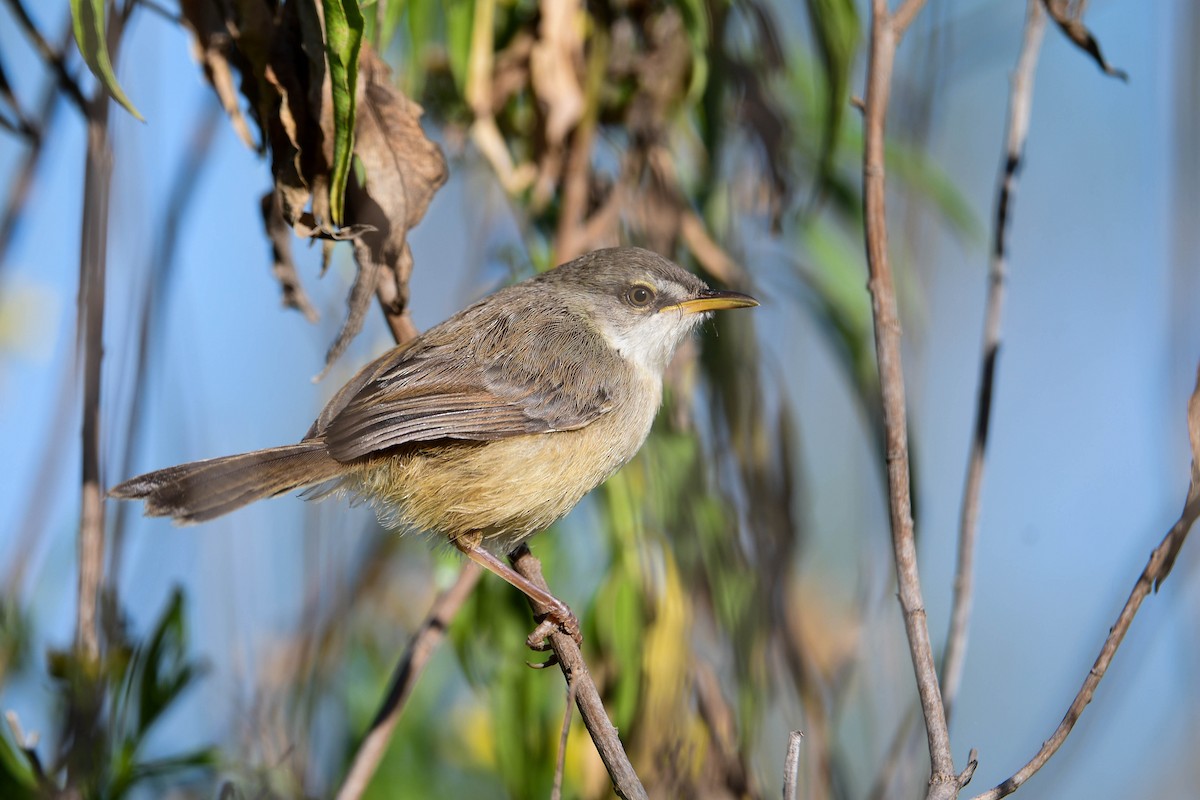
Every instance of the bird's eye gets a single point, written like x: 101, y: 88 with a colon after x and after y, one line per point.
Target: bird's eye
x: 639, y: 295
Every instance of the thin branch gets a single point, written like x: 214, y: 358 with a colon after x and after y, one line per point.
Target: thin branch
x: 22, y: 181
x: 943, y: 782
x: 420, y: 649
x: 1020, y: 101
x: 1155, y: 569
x: 604, y: 734
x: 54, y: 58
x: 560, y: 764
x: 903, y: 16
x: 791, y: 766
x: 885, y: 34
x: 92, y: 269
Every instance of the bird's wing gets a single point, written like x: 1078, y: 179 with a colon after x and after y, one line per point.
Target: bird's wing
x: 489, y: 373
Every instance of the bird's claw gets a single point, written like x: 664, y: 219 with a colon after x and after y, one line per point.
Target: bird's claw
x: 555, y: 621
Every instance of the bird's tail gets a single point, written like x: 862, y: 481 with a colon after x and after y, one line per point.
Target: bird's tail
x: 203, y: 490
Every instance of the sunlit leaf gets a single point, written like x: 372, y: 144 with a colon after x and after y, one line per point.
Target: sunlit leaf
x: 87, y: 22
x: 343, y: 40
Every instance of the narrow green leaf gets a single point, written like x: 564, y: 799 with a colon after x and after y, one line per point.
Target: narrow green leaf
x: 87, y: 20
x: 836, y: 31
x: 343, y: 40
x: 459, y: 18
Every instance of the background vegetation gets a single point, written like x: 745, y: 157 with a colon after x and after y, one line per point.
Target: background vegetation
x: 735, y: 581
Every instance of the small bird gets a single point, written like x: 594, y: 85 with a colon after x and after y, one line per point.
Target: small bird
x: 488, y: 427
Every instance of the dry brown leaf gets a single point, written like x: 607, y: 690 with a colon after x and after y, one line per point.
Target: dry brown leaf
x: 1070, y: 23
x: 211, y: 47
x: 554, y: 66
x: 280, y: 55
x: 403, y: 169
x: 284, y: 268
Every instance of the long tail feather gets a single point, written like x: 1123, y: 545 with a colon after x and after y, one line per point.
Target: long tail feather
x: 203, y: 490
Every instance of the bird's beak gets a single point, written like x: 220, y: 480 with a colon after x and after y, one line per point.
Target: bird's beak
x: 711, y: 300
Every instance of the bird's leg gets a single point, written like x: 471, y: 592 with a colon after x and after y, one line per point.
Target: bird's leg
x: 556, y: 615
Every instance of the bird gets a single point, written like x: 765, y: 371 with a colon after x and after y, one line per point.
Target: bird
x: 491, y: 425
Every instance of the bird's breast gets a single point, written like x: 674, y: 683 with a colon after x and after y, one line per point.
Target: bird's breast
x: 509, y: 488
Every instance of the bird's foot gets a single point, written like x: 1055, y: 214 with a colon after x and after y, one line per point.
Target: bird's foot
x: 558, y: 619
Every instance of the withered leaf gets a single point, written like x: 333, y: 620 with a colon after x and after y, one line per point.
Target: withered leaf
x: 284, y: 267
x: 553, y: 66
x: 401, y: 171
x: 281, y: 55
x: 212, y: 47
x: 1078, y: 33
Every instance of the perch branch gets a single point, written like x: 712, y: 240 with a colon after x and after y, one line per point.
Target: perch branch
x: 604, y: 734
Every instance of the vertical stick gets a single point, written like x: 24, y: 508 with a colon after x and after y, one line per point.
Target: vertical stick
x: 1019, y: 102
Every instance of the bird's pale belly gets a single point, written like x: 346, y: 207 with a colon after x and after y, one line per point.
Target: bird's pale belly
x: 458, y: 491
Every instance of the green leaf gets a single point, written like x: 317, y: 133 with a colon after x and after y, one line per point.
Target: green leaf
x: 343, y: 40
x: 87, y: 20
x: 387, y: 26
x: 836, y: 31
x: 460, y: 23
x: 17, y: 780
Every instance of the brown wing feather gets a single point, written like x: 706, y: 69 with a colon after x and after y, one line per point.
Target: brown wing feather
x: 492, y: 372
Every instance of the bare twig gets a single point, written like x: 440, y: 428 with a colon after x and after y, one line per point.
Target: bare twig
x: 560, y: 765
x: 1020, y: 100
x: 399, y: 323
x: 93, y: 266
x: 1151, y: 578
x: 885, y: 34
x: 608, y: 744
x: 54, y: 58
x: 404, y: 678
x: 791, y: 766
x: 1145, y: 583
x: 92, y: 269
x: 22, y: 180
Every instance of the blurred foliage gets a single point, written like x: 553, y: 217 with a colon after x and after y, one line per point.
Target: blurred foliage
x: 687, y: 126
x: 107, y: 711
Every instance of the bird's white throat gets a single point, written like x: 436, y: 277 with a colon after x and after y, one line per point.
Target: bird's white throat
x: 650, y: 343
